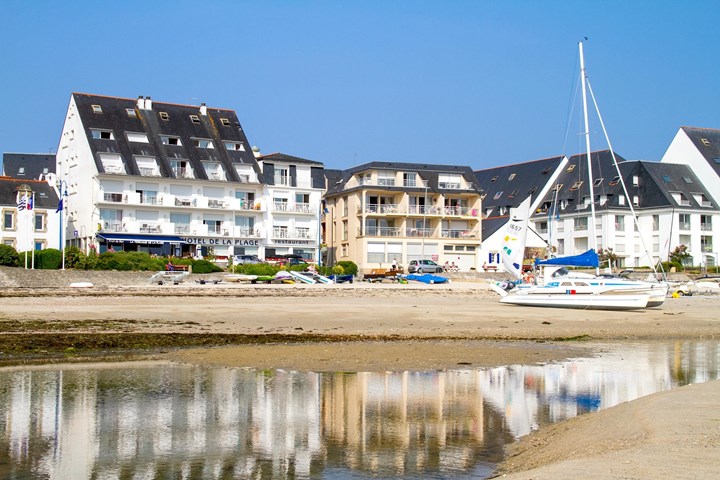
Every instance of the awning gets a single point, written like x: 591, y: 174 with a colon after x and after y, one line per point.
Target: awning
x: 138, y: 238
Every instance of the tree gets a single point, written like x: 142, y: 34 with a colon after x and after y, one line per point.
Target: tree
x: 607, y: 255
x: 679, y: 255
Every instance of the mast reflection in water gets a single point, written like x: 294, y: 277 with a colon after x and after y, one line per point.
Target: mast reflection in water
x: 159, y: 420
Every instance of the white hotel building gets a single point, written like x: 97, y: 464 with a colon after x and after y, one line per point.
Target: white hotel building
x: 180, y: 180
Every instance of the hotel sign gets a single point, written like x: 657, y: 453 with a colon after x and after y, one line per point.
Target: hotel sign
x: 221, y: 241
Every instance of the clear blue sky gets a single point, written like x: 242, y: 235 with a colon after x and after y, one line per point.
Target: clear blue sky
x: 478, y: 83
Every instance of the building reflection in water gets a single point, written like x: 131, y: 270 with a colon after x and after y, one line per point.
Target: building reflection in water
x: 159, y: 420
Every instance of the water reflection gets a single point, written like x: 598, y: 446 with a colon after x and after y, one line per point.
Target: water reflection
x: 150, y: 420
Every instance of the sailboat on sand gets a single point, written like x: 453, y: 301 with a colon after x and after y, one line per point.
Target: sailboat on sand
x: 561, y: 288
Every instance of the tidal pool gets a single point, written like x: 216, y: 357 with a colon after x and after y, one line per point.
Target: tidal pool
x: 156, y: 420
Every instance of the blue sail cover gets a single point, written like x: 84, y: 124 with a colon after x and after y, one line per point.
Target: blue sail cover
x: 587, y: 259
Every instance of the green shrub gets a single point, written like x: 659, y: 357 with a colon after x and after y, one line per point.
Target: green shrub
x: 8, y: 256
x: 48, y: 259
x: 666, y: 266
x: 203, y: 266
x: 74, y: 258
x: 338, y: 270
x: 256, y: 269
x: 129, y: 261
x: 350, y: 268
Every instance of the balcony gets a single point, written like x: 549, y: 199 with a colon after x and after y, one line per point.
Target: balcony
x: 280, y: 206
x: 114, y: 169
x: 116, y: 227
x: 182, y: 173
x: 150, y: 228
x: 706, y: 227
x: 184, y: 202
x: 685, y: 226
x: 181, y: 229
x: 215, y: 203
x: 419, y: 232
x: 383, y: 232
x: 149, y: 171
x: 248, y: 205
x: 113, y: 197
x: 303, y: 208
x: 381, y: 209
x: 459, y: 211
x: 455, y: 233
x: 216, y: 176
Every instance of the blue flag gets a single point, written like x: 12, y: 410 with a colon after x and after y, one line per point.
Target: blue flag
x: 60, y: 206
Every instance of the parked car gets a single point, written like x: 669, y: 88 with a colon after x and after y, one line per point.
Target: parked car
x: 424, y: 266
x: 292, y: 259
x: 246, y: 259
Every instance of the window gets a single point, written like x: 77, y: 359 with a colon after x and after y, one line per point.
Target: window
x: 168, y: 140
x: 684, y: 221
x: 513, y: 193
x: 247, y: 199
x: 636, y: 200
x: 635, y: 180
x: 656, y: 223
x: 449, y: 181
x: 102, y: 134
x: 532, y: 190
x: 203, y: 143
x: 666, y: 178
x: 621, y: 199
x: 620, y: 222
x: 40, y: 222
x: 546, y: 171
x: 194, y: 119
x: 409, y: 179
x: 511, y: 177
x: 214, y: 171
x: 112, y: 163
x: 282, y: 176
x: 344, y: 230
x: 570, y: 168
x: 147, y: 166
x: 705, y: 142
x: 598, y: 182
x: 225, y: 122
x: 234, y: 146
x: 130, y: 112
x: 498, y: 195
x: 96, y: 108
x: 181, y: 221
x: 581, y: 223
x: 164, y: 116
x: 557, y: 187
x: 137, y: 137
x: 386, y: 179
x: 181, y: 168
x: 576, y: 185
x: 8, y: 220
x: 246, y: 225
x: 687, y: 179
x: 21, y: 171
x: 494, y: 179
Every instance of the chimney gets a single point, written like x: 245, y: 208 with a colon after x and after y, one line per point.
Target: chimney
x: 203, y: 109
x: 148, y: 103
x: 141, y: 102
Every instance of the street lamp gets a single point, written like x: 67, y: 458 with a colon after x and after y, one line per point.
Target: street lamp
x: 62, y: 205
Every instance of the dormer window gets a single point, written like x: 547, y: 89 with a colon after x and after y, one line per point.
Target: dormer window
x: 203, y: 143
x: 112, y: 163
x: 214, y: 171
x: 98, y: 134
x: 181, y: 168
x: 96, y: 109
x: 147, y: 166
x: 137, y: 137
x: 170, y: 140
x: 234, y: 146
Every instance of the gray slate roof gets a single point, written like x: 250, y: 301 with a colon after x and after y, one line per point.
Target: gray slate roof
x: 268, y: 166
x: 218, y: 125
x: 45, y: 196
x: 428, y: 172
x: 707, y: 141
x: 28, y: 165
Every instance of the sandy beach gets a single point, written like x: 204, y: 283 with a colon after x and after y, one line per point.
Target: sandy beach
x: 365, y: 327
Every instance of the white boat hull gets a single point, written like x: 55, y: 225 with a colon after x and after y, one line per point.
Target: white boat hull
x: 606, y: 301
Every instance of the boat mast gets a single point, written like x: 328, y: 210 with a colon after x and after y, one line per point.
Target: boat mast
x: 583, y: 76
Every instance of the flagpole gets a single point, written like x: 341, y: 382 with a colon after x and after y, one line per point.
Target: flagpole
x: 31, y: 228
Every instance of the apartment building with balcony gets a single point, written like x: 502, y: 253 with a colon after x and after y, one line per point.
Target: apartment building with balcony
x: 643, y: 211
x: 383, y: 211
x: 23, y: 228
x: 159, y: 177
x: 293, y: 193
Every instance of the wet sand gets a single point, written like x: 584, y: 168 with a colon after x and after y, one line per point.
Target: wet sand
x: 672, y: 434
